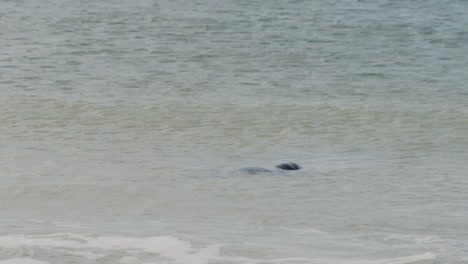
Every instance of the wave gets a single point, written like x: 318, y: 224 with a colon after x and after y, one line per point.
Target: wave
x: 86, y: 248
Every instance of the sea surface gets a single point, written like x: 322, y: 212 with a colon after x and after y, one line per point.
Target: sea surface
x: 125, y: 125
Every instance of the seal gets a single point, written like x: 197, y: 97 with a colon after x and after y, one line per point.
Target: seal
x: 282, y: 166
x: 288, y: 166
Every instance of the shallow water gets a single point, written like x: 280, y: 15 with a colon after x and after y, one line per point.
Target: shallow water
x: 124, y: 128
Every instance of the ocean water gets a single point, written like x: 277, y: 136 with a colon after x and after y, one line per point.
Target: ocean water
x: 124, y: 126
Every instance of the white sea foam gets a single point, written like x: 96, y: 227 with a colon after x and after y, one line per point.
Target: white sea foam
x: 85, y: 245
x: 162, y: 249
x: 22, y: 261
x: 400, y: 260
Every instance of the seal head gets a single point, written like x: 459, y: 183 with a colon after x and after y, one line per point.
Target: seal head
x: 288, y: 166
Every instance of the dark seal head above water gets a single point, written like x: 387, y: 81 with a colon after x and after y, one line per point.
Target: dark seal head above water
x: 288, y: 166
x: 282, y: 166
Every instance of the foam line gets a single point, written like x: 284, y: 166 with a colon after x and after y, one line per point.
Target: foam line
x: 165, y: 246
x: 133, y: 249
x: 22, y: 261
x: 400, y: 260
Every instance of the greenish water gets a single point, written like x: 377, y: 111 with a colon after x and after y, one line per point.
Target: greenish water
x: 124, y: 126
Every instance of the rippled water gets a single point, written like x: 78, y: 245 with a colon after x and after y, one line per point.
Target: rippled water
x: 124, y: 126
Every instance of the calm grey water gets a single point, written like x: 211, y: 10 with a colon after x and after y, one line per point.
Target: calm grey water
x: 124, y: 125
